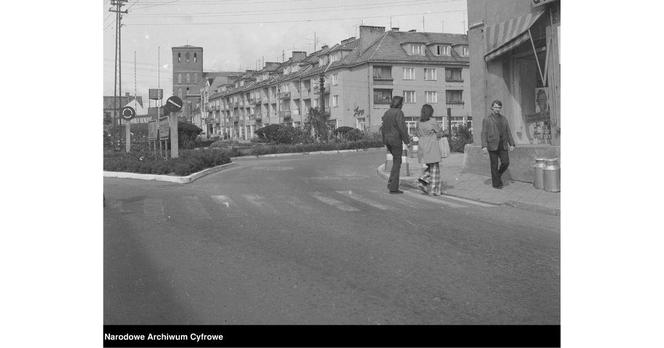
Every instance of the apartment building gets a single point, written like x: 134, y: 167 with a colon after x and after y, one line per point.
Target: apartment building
x: 359, y: 77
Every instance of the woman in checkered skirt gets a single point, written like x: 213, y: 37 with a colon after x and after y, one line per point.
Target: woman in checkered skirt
x: 429, y: 132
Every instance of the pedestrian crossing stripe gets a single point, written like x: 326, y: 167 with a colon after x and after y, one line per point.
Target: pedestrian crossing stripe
x: 364, y: 200
x: 223, y: 200
x: 434, y: 200
x: 333, y: 202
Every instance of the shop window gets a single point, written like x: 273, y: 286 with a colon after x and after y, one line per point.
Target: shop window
x: 409, y: 97
x: 409, y: 73
x: 453, y: 75
x: 454, y: 96
x: 382, y: 96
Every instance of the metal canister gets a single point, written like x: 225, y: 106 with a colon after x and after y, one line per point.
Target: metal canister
x: 540, y: 163
x: 552, y: 175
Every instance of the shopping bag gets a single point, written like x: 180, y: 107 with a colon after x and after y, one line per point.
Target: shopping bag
x: 444, y: 147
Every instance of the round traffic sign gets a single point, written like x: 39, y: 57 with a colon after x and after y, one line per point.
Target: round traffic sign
x: 173, y: 104
x: 127, y: 113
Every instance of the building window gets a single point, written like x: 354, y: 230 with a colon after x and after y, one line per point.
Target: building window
x: 453, y: 75
x: 416, y: 50
x: 186, y: 57
x: 382, y: 96
x: 442, y: 50
x: 179, y: 77
x: 409, y: 97
x: 188, y: 78
x: 382, y: 73
x: 454, y: 96
x: 179, y: 57
x: 180, y: 92
x: 431, y: 96
x: 409, y: 73
x: 195, y: 58
x: 464, y: 51
x: 335, y: 78
x: 335, y: 101
x: 430, y: 74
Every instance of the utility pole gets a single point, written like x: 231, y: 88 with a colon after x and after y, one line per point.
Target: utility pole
x: 423, y: 24
x: 117, y: 79
x: 315, y: 41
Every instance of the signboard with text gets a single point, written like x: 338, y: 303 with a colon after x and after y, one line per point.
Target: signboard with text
x: 164, y: 128
x: 152, y: 130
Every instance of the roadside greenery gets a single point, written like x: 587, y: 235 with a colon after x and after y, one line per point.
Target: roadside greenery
x: 188, y: 162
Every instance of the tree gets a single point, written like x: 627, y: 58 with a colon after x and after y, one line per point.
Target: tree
x: 317, y: 121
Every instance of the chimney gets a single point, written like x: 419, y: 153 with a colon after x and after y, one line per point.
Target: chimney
x: 369, y: 34
x: 324, y: 47
x: 299, y: 55
x: 127, y: 94
x: 395, y: 29
x: 412, y: 30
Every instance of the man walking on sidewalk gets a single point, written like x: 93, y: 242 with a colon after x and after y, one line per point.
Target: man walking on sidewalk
x: 497, y: 139
x: 394, y: 133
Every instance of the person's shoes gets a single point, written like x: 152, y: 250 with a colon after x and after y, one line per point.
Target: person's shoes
x: 435, y: 194
x: 397, y: 191
x: 499, y: 187
x: 423, y: 189
x: 422, y: 181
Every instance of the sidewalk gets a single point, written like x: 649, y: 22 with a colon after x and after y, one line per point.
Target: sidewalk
x: 477, y: 187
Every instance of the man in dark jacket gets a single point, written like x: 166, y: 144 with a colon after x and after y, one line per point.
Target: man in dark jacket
x: 394, y: 134
x: 497, y: 139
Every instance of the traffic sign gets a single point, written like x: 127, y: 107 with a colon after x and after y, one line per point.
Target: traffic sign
x: 173, y: 104
x: 127, y: 113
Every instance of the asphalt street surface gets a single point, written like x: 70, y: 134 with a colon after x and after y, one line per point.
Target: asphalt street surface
x: 318, y: 240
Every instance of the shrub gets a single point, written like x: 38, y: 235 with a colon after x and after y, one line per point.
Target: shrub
x: 348, y: 133
x: 461, y: 136
x: 190, y: 161
x: 269, y: 133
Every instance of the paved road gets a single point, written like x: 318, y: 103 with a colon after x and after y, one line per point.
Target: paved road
x: 318, y: 240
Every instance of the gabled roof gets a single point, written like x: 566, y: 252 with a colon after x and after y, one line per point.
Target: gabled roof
x: 109, y: 101
x: 389, y: 48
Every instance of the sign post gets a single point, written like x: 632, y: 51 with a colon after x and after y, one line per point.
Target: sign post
x: 127, y: 114
x: 173, y: 105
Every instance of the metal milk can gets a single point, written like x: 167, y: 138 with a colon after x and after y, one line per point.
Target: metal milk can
x: 540, y: 163
x: 552, y: 175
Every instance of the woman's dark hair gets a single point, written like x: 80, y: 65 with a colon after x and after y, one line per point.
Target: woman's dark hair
x: 497, y: 102
x: 397, y: 102
x: 427, y: 112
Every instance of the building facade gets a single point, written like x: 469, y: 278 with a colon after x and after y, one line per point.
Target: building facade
x: 514, y: 47
x: 187, y: 75
x: 355, y: 81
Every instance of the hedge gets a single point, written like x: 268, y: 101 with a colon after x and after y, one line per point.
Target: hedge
x: 189, y: 161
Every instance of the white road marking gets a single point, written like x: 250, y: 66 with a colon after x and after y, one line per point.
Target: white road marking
x: 333, y: 202
x: 296, y: 202
x: 223, y: 200
x: 259, y: 202
x: 153, y: 208
x: 364, y: 200
x: 433, y: 199
x: 195, y: 207
x: 487, y: 205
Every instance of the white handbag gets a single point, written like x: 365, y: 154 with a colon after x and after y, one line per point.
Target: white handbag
x: 444, y: 147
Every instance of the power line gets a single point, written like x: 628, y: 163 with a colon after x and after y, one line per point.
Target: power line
x: 293, y: 21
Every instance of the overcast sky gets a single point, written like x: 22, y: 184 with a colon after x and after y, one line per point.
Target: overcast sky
x: 236, y: 34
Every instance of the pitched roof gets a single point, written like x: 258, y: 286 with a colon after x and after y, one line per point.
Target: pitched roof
x: 389, y: 48
x: 109, y: 101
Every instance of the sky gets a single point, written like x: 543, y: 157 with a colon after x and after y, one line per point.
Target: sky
x: 237, y: 34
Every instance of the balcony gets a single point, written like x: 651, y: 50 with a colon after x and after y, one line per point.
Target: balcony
x: 295, y: 94
x: 285, y: 95
x: 383, y: 80
x: 453, y: 103
x: 306, y: 94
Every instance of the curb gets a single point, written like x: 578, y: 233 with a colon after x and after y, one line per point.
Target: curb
x: 330, y: 152
x: 407, y: 182
x: 168, y: 178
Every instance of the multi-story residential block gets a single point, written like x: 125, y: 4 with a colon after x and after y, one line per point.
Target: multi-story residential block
x: 355, y: 81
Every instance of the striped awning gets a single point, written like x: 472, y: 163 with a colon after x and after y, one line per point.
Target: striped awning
x: 502, y: 37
